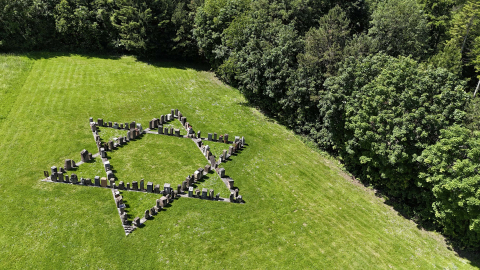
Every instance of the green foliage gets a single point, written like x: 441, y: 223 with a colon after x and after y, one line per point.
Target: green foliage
x: 452, y: 166
x: 183, y: 19
x: 399, y: 28
x: 131, y: 21
x: 324, y: 45
x: 460, y: 54
x: 26, y: 24
x: 211, y: 20
x: 438, y: 14
x: 82, y: 24
x: 392, y: 113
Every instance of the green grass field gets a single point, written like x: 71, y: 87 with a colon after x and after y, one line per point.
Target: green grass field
x: 300, y: 211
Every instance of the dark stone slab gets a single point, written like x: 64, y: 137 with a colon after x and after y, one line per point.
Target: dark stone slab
x: 149, y: 187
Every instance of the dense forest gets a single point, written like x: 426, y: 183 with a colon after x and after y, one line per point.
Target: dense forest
x: 386, y: 86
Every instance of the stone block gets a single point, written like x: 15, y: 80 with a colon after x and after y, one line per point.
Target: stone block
x: 97, y: 180
x: 115, y: 125
x: 179, y: 189
x: 230, y: 183
x: 106, y: 166
x: 110, y: 174
x: 60, y: 176
x: 68, y: 164
x: 232, y: 197
x: 160, y: 129
x: 165, y: 131
x: 73, y: 178
x: 110, y: 145
x: 204, y: 193
x: 133, y: 125
x: 150, y: 187
x: 112, y: 182
x: 153, y: 211
x: 147, y: 214
x: 100, y: 122
x: 190, y: 192
x: 103, y: 182
x: 136, y: 222
x: 135, y: 185
x: 221, y: 172
x: 211, y: 194
x: 197, y: 193
x: 84, y: 155
x: 169, y: 117
x: 109, y: 124
x: 236, y: 192
x: 157, y: 189
x: 167, y: 188
x: 199, y: 134
x: 217, y: 197
x: 184, y: 185
x: 121, y: 185
x: 197, y: 176
x: 88, y: 182
x: 158, y: 204
x: 212, y: 161
x: 177, y: 132
x: 53, y: 169
x: 141, y: 185
x: 210, y: 137
x: 128, y: 186
x: 163, y: 201
x: 225, y: 138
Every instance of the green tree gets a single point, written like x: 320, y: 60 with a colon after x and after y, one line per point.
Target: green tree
x: 131, y: 19
x: 393, y: 109
x: 84, y: 24
x: 324, y: 45
x: 183, y: 18
x: 461, y: 51
x: 399, y: 28
x: 26, y: 24
x: 452, y: 172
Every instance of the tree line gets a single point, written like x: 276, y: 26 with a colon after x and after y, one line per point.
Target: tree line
x: 385, y: 85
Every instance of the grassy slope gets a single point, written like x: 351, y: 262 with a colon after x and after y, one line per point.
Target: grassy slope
x: 300, y: 211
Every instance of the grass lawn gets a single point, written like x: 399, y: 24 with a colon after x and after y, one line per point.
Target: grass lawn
x: 300, y: 211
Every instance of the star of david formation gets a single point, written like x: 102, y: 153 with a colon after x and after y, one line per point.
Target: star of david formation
x: 169, y: 194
